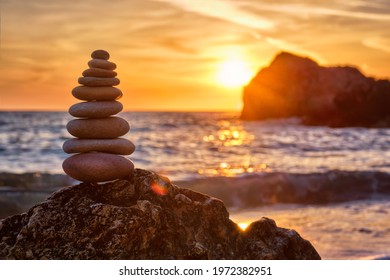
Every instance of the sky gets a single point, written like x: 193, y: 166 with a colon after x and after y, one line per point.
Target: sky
x: 171, y: 53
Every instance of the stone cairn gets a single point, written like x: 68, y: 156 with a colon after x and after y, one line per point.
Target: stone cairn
x: 97, y: 146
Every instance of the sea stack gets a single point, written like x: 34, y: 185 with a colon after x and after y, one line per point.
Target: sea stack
x: 98, y: 147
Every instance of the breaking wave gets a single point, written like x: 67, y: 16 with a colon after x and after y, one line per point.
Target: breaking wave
x: 315, y: 188
x: 18, y: 192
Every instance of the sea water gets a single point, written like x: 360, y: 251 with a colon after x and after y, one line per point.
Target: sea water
x: 219, y: 147
x: 201, y: 144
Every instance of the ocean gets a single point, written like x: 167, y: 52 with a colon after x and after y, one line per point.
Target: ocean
x: 332, y: 185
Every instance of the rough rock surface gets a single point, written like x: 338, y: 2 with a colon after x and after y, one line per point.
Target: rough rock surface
x: 294, y: 86
x: 145, y: 217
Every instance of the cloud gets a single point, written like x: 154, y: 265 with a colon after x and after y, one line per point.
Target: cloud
x: 362, y: 9
x: 166, y: 45
x: 225, y: 10
x: 308, y: 10
x: 157, y: 46
x: 376, y: 43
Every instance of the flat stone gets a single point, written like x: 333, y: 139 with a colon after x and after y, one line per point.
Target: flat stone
x: 96, y: 93
x: 98, y: 82
x: 95, y: 109
x: 101, y: 63
x: 100, y: 54
x: 103, y: 128
x: 97, y: 72
x: 97, y: 167
x: 118, y: 146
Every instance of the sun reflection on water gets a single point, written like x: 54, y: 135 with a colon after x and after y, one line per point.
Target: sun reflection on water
x: 230, y: 170
x: 229, y: 136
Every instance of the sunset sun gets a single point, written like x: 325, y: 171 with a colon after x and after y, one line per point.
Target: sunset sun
x: 234, y: 73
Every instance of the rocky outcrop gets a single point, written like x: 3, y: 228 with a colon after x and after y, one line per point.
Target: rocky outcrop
x: 144, y: 217
x: 293, y: 86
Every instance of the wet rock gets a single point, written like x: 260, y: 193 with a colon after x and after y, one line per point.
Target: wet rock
x: 132, y: 219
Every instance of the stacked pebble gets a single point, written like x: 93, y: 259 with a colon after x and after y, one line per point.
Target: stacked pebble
x: 97, y: 146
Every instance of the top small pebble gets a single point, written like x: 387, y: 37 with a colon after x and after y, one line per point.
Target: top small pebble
x: 100, y: 54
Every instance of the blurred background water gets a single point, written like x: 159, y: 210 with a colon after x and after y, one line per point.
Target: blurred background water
x: 188, y: 145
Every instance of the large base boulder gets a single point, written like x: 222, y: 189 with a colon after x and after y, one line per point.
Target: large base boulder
x: 145, y: 217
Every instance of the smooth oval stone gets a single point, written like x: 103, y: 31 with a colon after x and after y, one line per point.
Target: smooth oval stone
x: 97, y: 167
x: 96, y: 93
x: 95, y: 109
x: 97, y: 72
x: 100, y: 54
x: 118, y: 146
x: 104, y: 128
x: 101, y: 63
x: 98, y: 82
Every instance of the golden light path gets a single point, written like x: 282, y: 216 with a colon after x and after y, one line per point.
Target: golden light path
x: 234, y: 72
x: 230, y: 135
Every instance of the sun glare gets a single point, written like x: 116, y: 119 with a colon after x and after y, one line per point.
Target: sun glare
x: 243, y: 226
x: 234, y: 73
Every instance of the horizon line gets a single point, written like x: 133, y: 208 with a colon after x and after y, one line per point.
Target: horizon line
x: 127, y: 111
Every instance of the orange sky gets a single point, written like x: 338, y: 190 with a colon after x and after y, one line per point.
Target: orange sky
x: 169, y: 52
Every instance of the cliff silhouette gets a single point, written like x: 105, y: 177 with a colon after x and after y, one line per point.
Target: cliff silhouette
x: 295, y: 86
